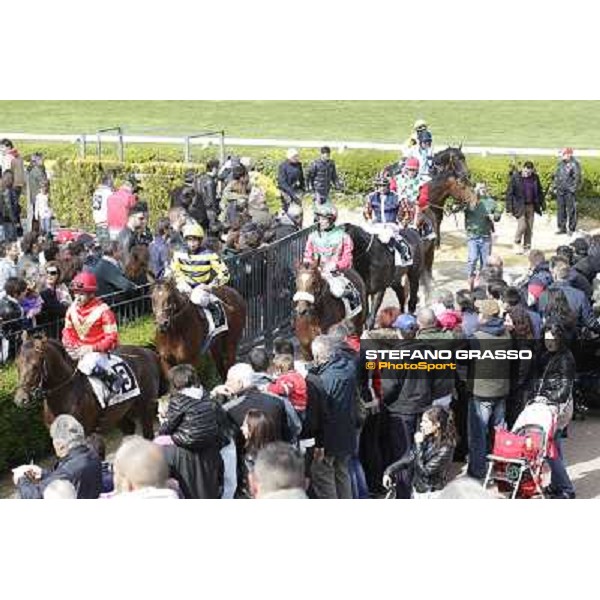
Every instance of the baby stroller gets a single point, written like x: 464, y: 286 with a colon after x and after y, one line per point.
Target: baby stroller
x: 517, y: 461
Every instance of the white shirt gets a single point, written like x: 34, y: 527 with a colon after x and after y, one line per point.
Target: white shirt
x: 100, y: 204
x: 42, y: 207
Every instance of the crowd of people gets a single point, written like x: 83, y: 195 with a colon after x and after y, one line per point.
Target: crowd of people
x: 279, y: 427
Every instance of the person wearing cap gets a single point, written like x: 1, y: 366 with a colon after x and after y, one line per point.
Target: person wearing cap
x: 419, y: 127
x: 90, y: 331
x: 381, y: 210
x: 405, y: 396
x: 77, y: 464
x: 566, y: 182
x: 479, y: 223
x: 524, y: 198
x: 197, y: 269
x: 413, y: 192
x: 489, y: 381
x: 290, y: 179
x: 322, y: 176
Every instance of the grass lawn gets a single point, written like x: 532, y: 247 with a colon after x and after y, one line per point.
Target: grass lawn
x: 490, y: 123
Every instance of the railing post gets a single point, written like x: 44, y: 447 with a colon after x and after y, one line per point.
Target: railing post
x: 186, y: 149
x: 222, y: 148
x: 82, y: 146
x: 120, y: 147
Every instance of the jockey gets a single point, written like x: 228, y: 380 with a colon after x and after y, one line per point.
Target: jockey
x: 198, y: 270
x: 424, y: 152
x: 414, y: 199
x: 381, y: 209
x: 332, y: 246
x: 330, y: 243
x: 412, y: 143
x: 90, y: 331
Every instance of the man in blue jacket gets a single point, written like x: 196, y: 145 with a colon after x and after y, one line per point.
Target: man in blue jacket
x: 331, y: 417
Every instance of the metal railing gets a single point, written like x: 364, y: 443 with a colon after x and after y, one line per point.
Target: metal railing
x: 265, y: 278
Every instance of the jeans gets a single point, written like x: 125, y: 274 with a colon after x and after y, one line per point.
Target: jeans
x: 566, y: 205
x: 559, y: 478
x: 358, y: 481
x: 483, y: 412
x: 478, y: 251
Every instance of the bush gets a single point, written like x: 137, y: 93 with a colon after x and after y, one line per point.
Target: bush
x: 24, y: 436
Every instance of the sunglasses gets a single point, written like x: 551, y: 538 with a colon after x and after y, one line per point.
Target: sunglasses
x: 51, y: 272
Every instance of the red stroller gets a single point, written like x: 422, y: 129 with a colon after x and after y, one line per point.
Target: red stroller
x: 517, y: 461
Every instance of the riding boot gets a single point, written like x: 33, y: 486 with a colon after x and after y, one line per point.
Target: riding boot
x: 113, y: 381
x: 401, y: 247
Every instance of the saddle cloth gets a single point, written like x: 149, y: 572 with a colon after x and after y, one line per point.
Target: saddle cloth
x: 341, y: 287
x: 130, y: 388
x: 389, y: 234
x: 216, y: 317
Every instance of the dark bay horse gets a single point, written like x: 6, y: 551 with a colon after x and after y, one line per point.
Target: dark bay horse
x: 46, y: 372
x: 182, y: 328
x: 375, y: 263
x: 316, y: 309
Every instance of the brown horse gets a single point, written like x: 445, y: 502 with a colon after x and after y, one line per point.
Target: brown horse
x: 445, y: 186
x: 182, y: 328
x: 316, y: 309
x: 46, y: 372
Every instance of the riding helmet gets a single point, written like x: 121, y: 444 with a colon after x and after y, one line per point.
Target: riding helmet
x: 84, y: 282
x: 193, y: 230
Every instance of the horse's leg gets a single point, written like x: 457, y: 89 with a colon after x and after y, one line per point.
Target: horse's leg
x: 413, y: 280
x: 398, y: 287
x: 377, y: 300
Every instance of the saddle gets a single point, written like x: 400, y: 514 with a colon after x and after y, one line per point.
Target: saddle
x: 129, y: 388
x: 341, y: 287
x: 216, y: 318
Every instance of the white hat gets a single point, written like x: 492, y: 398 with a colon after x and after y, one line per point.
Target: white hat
x: 292, y: 152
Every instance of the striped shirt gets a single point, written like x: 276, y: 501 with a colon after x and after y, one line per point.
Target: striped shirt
x: 203, y: 267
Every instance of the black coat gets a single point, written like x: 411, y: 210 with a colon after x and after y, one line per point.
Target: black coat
x: 111, y: 278
x: 557, y: 375
x: 191, y: 422
x: 53, y: 308
x: 81, y: 467
x: 515, y: 195
x: 431, y: 466
x: 290, y: 179
x: 271, y: 405
x: 321, y: 176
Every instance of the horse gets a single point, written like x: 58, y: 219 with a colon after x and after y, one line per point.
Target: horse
x: 375, y: 263
x: 46, y: 372
x: 316, y: 309
x: 450, y: 161
x: 442, y: 187
x: 182, y: 328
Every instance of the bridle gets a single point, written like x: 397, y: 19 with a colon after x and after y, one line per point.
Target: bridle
x: 172, y: 311
x: 38, y: 392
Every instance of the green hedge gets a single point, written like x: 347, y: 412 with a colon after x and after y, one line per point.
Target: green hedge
x: 23, y: 435
x: 74, y: 180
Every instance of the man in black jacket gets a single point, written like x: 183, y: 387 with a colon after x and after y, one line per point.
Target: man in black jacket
x: 524, y: 198
x: 136, y: 233
x: 290, y: 179
x: 207, y: 189
x: 77, y: 463
x: 322, y: 175
x: 108, y: 271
